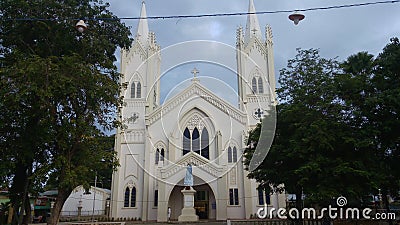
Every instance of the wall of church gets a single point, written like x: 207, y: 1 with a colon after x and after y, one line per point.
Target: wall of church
x: 148, y: 127
x: 130, y: 175
x: 236, y: 212
x: 152, y: 205
x: 170, y: 127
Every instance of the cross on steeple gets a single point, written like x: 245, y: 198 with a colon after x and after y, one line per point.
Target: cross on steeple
x: 195, y: 72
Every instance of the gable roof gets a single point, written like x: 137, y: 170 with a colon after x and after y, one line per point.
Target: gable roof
x: 194, y: 159
x: 197, y: 89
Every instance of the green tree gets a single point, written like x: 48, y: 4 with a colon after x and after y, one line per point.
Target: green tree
x: 384, y: 116
x: 314, y: 149
x: 371, y: 92
x: 369, y: 89
x: 58, y: 88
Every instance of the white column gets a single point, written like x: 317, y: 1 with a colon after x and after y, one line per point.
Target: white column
x: 222, y: 198
x: 115, y: 188
x: 162, y: 208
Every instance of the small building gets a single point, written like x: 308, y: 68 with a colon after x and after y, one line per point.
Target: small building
x: 81, y: 202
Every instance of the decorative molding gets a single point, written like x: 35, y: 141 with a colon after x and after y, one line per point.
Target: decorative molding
x: 195, y: 121
x: 239, y: 37
x: 160, y: 145
x: 195, y: 160
x: 132, y: 102
x: 131, y: 136
x: 196, y: 89
x: 255, y: 43
x: 137, y: 48
x: 258, y: 98
x: 233, y: 177
x: 268, y: 35
x: 130, y: 184
x: 130, y: 120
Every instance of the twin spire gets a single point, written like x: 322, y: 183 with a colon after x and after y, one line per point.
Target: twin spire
x: 142, y: 33
x: 252, y: 25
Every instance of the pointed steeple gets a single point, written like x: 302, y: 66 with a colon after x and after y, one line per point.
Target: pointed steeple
x: 252, y: 26
x: 142, y: 33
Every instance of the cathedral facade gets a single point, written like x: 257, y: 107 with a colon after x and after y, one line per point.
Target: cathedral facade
x: 158, y: 141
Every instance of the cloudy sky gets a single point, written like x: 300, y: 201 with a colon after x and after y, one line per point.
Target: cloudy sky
x: 336, y: 32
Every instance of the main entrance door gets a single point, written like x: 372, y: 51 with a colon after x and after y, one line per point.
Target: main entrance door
x: 204, y: 201
x: 201, y: 203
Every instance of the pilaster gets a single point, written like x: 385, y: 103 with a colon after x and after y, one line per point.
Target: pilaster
x: 222, y: 198
x: 162, y: 209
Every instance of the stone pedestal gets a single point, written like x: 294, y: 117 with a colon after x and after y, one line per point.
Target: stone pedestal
x: 188, y: 211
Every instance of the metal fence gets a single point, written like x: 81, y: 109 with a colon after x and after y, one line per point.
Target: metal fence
x: 83, y: 213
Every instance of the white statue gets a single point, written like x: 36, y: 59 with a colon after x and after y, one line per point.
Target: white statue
x: 188, y: 181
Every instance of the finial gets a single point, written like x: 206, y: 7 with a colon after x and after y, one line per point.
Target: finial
x: 195, y: 72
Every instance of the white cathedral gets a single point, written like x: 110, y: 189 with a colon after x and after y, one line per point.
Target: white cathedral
x: 196, y: 127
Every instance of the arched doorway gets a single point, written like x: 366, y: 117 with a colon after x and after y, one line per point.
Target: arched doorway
x: 204, y: 202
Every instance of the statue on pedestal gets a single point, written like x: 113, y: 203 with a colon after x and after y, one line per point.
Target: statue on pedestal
x: 188, y: 211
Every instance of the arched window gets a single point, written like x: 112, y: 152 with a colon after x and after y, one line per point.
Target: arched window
x: 204, y: 144
x: 133, y: 90
x: 254, y: 85
x: 229, y: 155
x: 263, y: 196
x: 139, y: 90
x: 133, y: 197
x: 193, y: 141
x: 126, y: 197
x: 155, y: 198
x: 196, y: 141
x: 130, y: 197
x: 160, y: 154
x: 157, y: 156
x: 260, y: 86
x: 260, y: 196
x: 186, y: 141
x: 234, y: 154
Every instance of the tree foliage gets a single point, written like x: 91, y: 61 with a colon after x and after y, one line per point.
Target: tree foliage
x: 370, y: 91
x: 59, y: 89
x: 337, y: 127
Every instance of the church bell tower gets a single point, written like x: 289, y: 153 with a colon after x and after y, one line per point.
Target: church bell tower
x: 140, y: 67
x: 255, y: 67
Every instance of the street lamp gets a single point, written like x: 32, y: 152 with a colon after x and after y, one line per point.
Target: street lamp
x: 81, y: 26
x: 296, y: 17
